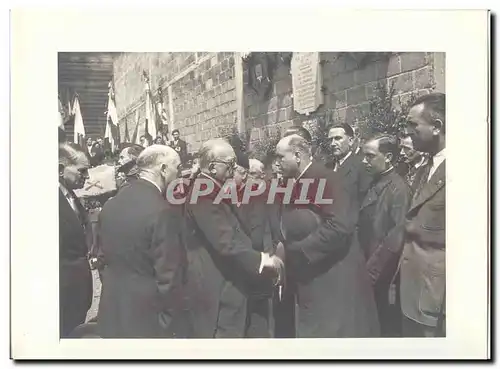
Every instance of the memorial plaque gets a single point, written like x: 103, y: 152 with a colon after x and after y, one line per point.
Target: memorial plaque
x: 307, y: 82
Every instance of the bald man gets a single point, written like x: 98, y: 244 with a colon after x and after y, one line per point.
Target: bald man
x: 333, y: 291
x: 223, y: 266
x: 140, y: 237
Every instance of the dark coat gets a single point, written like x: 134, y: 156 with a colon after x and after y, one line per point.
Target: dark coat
x: 423, y: 272
x: 356, y: 181
x: 381, y: 225
x: 181, y: 148
x: 75, y: 279
x: 223, y: 268
x: 380, y: 233
x: 139, y: 234
x: 334, y: 294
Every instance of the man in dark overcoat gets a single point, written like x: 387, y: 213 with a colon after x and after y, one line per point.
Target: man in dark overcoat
x: 75, y: 279
x: 223, y: 266
x: 381, y: 227
x: 348, y: 165
x: 141, y: 243
x: 333, y: 290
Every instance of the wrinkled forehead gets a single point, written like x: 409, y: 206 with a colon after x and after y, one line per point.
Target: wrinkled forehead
x: 283, y: 147
x: 337, y: 132
x: 371, y: 146
x: 81, y: 161
x: 415, y: 113
x: 224, y: 152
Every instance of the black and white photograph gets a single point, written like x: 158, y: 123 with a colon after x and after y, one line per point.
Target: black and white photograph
x: 255, y: 195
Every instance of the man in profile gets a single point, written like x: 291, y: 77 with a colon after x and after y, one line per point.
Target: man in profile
x: 423, y: 264
x: 75, y: 279
x: 381, y: 226
x: 334, y: 295
x: 223, y: 266
x: 411, y: 160
x: 141, y: 243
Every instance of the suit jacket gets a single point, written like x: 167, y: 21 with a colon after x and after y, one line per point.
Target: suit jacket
x: 381, y: 225
x: 223, y: 267
x: 75, y: 279
x: 181, y: 149
x: 356, y: 181
x: 139, y: 234
x: 334, y: 293
x: 423, y: 271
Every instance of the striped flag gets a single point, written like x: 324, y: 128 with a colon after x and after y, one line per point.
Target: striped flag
x: 111, y: 132
x: 62, y: 115
x: 79, y: 130
x: 150, y: 113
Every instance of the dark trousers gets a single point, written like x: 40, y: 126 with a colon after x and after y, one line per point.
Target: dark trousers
x: 413, y: 329
x: 258, y: 313
x: 284, y: 316
x: 389, y: 312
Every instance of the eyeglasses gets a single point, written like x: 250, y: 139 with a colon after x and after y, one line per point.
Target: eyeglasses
x: 230, y: 164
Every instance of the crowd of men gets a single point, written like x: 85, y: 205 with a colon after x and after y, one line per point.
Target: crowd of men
x: 370, y: 263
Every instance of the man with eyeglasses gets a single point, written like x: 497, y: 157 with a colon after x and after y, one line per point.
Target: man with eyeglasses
x: 223, y: 266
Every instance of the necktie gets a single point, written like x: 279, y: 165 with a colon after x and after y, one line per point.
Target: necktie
x: 425, y: 175
x: 73, y: 203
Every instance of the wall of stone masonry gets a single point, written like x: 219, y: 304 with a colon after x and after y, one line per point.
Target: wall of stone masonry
x: 348, y: 86
x: 202, y: 89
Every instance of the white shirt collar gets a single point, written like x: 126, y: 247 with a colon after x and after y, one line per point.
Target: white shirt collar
x: 440, y: 156
x: 150, y: 181
x: 305, y: 169
x: 341, y: 161
x: 420, y: 162
x: 436, y: 162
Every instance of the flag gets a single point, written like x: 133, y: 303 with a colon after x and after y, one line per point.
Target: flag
x: 126, y: 135
x: 108, y: 134
x: 111, y: 132
x: 150, y: 113
x: 135, y: 136
x: 61, y: 115
x: 79, y: 130
x: 112, y: 114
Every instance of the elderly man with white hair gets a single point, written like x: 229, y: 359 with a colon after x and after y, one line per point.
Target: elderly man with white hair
x: 140, y: 239
x: 224, y: 268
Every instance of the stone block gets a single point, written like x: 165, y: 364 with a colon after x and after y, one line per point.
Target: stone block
x: 283, y: 86
x: 356, y: 95
x: 273, y: 104
x: 423, y: 78
x: 412, y: 61
x: 365, y: 75
x: 271, y: 118
x: 338, y: 100
x: 341, y: 82
x: 389, y: 67
x: 285, y: 100
x: 402, y: 83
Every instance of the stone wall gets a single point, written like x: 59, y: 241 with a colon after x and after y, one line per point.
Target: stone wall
x: 348, y: 85
x: 199, y: 89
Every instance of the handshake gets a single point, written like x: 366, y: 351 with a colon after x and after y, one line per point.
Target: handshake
x: 274, y: 264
